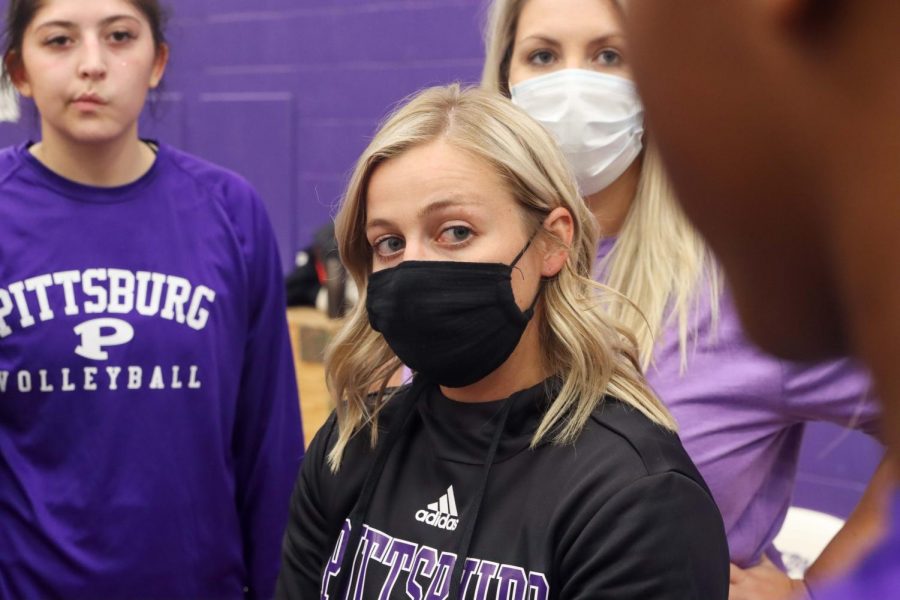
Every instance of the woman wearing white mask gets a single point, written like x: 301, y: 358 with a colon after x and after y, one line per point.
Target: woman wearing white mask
x: 741, y: 413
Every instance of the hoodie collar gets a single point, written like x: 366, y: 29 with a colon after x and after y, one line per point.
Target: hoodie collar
x: 462, y: 431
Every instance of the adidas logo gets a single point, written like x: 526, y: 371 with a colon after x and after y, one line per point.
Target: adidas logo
x: 441, y: 514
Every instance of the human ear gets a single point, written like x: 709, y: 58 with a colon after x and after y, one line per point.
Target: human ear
x: 159, y: 65
x: 17, y: 74
x: 560, y: 228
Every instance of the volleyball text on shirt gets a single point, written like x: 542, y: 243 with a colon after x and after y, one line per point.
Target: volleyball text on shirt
x: 103, y: 296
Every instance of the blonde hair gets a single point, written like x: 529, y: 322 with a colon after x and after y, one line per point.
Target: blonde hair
x: 659, y: 261
x: 590, y: 352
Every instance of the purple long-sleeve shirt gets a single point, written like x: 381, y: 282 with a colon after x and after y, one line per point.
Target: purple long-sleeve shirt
x: 741, y: 416
x: 149, y: 426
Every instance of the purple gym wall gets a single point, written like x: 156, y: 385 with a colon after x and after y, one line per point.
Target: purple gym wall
x: 288, y: 92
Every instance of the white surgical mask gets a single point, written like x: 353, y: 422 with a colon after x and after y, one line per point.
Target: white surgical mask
x: 597, y: 119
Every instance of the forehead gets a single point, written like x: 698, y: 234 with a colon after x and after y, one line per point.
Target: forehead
x: 436, y: 173
x: 568, y: 19
x: 76, y: 11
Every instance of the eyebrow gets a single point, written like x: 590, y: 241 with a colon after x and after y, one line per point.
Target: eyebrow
x: 603, y: 39
x: 451, y: 202
x: 434, y: 207
x: 73, y: 25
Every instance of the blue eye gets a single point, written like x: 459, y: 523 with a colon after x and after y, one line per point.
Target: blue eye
x: 541, y: 58
x: 609, y: 58
x: 388, y: 246
x: 456, y: 234
x: 461, y: 233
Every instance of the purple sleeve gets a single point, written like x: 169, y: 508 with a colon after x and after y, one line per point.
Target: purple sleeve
x: 837, y: 391
x: 268, y: 439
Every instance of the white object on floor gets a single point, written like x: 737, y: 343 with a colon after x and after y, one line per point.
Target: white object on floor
x: 803, y: 536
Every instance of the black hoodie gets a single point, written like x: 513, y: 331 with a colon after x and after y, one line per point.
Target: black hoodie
x: 621, y: 514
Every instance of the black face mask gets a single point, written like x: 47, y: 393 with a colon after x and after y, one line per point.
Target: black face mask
x: 453, y: 322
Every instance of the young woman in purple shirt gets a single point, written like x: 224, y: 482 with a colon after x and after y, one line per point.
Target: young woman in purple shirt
x: 149, y: 426
x: 741, y: 412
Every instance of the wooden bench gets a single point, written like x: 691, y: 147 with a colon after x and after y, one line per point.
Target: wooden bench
x: 310, y: 331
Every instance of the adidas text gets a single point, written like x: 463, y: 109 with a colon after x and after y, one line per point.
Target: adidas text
x: 437, y: 520
x: 441, y: 514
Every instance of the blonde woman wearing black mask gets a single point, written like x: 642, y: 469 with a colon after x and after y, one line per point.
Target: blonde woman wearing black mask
x: 528, y: 458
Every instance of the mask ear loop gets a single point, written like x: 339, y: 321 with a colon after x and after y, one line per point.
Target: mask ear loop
x: 521, y: 253
x: 512, y: 266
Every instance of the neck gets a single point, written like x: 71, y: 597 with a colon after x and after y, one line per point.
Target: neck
x: 108, y: 164
x: 611, y: 205
x: 522, y: 370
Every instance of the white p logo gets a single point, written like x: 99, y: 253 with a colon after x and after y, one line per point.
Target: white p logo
x: 93, y: 340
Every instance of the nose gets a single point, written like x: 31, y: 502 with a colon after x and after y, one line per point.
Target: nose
x: 92, y: 65
x: 574, y: 61
x: 420, y: 249
x: 414, y: 251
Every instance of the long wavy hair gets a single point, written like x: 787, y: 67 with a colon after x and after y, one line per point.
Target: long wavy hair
x: 659, y: 261
x: 590, y: 352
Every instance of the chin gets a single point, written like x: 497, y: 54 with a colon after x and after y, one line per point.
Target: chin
x: 94, y: 129
x: 94, y: 136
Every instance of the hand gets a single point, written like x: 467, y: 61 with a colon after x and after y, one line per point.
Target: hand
x: 764, y: 581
